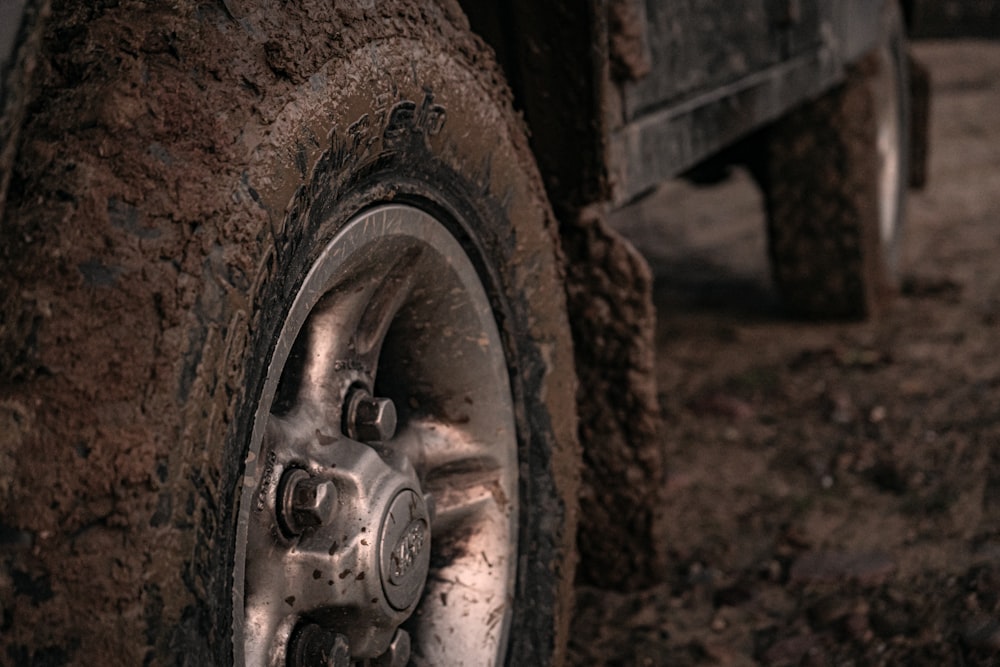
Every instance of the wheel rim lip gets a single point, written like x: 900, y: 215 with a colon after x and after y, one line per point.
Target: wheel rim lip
x: 889, y: 142
x: 393, y: 220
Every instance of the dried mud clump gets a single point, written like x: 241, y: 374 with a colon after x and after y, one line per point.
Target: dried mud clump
x: 609, y: 287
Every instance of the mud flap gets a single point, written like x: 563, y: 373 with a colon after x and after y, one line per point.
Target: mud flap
x: 609, y: 296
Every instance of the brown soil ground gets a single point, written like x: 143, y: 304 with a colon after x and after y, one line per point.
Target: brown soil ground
x: 834, y: 490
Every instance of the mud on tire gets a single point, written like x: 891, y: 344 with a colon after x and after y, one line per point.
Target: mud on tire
x: 181, y: 171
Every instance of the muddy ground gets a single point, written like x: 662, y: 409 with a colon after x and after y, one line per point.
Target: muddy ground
x: 834, y: 490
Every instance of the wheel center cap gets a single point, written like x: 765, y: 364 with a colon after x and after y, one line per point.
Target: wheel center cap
x: 404, y: 549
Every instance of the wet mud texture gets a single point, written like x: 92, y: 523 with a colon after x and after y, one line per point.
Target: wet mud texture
x: 139, y: 228
x: 832, y: 491
x: 609, y: 289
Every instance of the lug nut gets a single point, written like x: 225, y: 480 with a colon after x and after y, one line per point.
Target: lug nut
x: 398, y: 653
x: 306, y: 502
x: 315, y: 646
x: 371, y: 419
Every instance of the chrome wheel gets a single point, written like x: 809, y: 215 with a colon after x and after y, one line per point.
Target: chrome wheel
x: 886, y: 96
x: 378, y: 516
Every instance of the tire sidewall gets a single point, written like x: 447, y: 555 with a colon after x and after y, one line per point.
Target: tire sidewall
x: 830, y: 256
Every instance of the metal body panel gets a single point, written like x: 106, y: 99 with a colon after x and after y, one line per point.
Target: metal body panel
x: 659, y: 145
x: 621, y: 95
x: 803, y: 26
x: 719, y: 71
x: 855, y: 27
x: 698, y: 45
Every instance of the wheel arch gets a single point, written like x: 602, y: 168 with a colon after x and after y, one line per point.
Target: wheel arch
x: 554, y: 53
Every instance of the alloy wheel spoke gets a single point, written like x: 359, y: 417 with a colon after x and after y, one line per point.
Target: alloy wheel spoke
x: 355, y: 514
x: 438, y: 449
x: 329, y: 363
x: 384, y: 303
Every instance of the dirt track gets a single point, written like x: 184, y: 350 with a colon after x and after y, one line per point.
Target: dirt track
x: 834, y: 493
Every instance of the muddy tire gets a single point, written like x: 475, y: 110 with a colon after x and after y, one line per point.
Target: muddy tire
x: 834, y: 184
x: 235, y: 209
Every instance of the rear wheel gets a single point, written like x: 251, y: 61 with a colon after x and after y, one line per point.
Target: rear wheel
x: 834, y: 183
